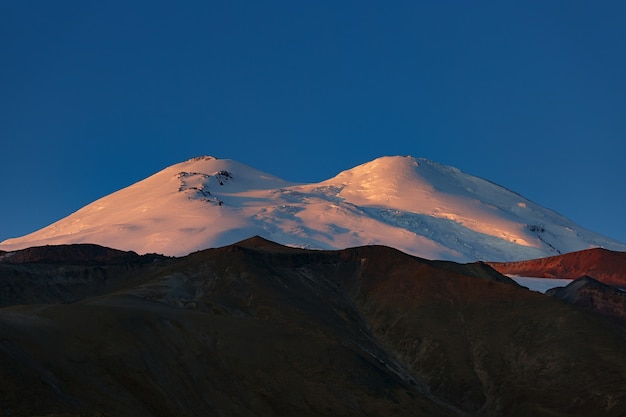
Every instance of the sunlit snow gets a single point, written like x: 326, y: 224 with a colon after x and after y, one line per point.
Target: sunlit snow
x: 415, y: 205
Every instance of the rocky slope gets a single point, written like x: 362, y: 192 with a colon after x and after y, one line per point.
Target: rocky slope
x: 591, y: 294
x: 65, y: 253
x: 259, y: 329
x: 601, y: 264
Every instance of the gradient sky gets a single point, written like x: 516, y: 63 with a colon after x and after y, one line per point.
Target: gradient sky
x: 95, y: 96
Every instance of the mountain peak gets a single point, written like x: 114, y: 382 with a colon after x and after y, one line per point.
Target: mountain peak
x: 415, y: 205
x: 202, y: 158
x: 386, y: 165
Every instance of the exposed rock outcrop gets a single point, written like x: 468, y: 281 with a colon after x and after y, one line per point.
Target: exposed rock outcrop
x: 593, y: 295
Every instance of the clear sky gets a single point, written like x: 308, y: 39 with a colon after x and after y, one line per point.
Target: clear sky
x: 96, y: 95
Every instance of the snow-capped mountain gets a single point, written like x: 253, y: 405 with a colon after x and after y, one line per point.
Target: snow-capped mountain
x: 415, y: 205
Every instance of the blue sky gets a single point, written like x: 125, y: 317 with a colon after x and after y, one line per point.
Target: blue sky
x: 98, y: 95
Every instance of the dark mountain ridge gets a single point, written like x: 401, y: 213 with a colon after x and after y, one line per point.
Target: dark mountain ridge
x: 593, y: 295
x: 259, y: 329
x: 67, y: 273
x: 76, y: 253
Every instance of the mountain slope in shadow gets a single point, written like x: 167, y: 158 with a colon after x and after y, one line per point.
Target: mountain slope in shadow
x: 259, y: 329
x: 593, y: 295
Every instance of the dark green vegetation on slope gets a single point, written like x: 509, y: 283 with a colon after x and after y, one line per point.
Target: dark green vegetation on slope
x: 258, y: 329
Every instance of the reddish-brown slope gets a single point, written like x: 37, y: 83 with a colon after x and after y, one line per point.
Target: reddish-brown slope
x: 604, y: 265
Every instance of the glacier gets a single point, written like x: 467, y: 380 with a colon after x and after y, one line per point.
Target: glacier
x: 416, y: 205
